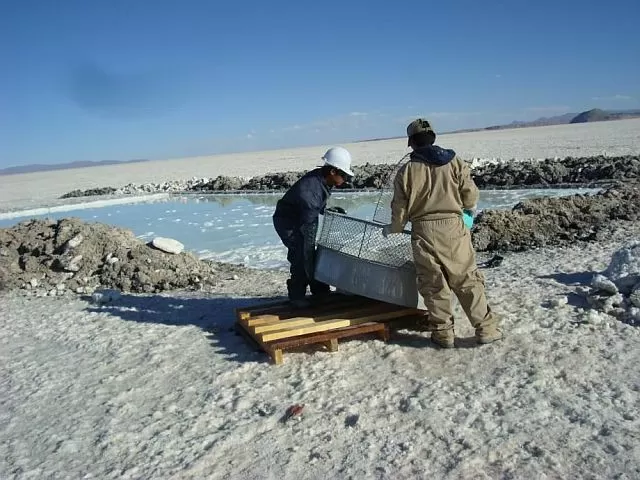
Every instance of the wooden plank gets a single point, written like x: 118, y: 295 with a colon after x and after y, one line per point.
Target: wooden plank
x: 332, y: 324
x: 299, y: 321
x: 271, y: 306
x: 260, y: 320
x: 332, y: 345
x: 294, y: 332
x: 276, y: 355
x: 290, y: 323
x: 362, y: 329
x: 242, y: 313
x: 384, y: 333
x: 283, y: 308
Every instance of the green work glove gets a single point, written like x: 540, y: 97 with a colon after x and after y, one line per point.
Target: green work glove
x: 467, y: 217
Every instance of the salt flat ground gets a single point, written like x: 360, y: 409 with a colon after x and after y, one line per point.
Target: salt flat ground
x: 600, y: 138
x: 159, y: 387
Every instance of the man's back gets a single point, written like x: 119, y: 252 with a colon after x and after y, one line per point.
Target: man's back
x: 434, y: 184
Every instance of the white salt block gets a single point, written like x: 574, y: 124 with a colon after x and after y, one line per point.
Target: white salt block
x: 603, y: 284
x: 105, y: 296
x: 168, y: 245
x: 624, y: 262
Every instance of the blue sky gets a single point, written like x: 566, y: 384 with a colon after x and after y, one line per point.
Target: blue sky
x: 120, y: 79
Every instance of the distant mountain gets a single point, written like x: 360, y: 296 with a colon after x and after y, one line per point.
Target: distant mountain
x: 597, y: 115
x: 539, y: 122
x: 61, y: 166
x: 594, y: 115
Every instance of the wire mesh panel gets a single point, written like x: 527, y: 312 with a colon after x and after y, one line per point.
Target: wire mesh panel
x: 383, y: 206
x: 363, y: 239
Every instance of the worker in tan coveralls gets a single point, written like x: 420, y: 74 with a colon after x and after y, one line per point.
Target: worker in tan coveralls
x: 431, y: 191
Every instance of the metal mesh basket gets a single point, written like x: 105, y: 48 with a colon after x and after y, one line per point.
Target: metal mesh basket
x: 363, y: 239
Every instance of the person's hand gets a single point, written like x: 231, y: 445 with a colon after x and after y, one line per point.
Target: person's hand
x: 467, y: 217
x: 339, y: 210
x: 386, y: 230
x: 470, y: 211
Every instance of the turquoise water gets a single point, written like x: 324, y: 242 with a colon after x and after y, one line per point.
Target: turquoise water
x: 236, y: 228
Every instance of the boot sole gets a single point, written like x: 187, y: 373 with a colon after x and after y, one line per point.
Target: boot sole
x: 442, y: 344
x: 489, y: 340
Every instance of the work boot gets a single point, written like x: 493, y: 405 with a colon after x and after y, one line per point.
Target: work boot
x: 488, y: 334
x: 443, y: 338
x: 300, y: 303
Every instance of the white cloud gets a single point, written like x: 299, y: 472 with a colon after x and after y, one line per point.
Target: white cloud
x: 358, y: 114
x: 614, y: 97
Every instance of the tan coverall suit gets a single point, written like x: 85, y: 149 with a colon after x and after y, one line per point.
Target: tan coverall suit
x: 431, y: 192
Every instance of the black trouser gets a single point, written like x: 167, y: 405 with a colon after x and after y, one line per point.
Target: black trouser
x: 300, y: 243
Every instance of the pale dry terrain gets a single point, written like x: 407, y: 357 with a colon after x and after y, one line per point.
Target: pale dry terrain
x: 601, y: 138
x: 160, y: 387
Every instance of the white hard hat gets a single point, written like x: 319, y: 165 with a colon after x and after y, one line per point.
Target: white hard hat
x: 340, y: 158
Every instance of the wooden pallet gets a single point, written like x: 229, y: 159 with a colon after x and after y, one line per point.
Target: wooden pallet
x: 276, y: 327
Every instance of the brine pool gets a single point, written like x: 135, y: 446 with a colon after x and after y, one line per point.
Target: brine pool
x: 230, y: 228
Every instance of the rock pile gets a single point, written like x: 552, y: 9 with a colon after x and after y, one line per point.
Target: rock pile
x: 53, y: 257
x: 583, y: 171
x: 174, y: 186
x: 92, y: 192
x: 551, y: 172
x: 555, y: 221
x: 617, y: 290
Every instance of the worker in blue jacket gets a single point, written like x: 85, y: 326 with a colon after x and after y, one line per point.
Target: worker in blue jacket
x: 296, y: 221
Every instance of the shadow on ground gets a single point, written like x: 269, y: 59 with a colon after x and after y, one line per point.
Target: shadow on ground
x: 572, y: 279
x: 214, y: 315
x: 416, y: 334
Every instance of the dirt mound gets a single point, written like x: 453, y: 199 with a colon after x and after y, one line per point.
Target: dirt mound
x: 550, y: 172
x: 53, y: 257
x: 555, y: 221
x: 570, y: 171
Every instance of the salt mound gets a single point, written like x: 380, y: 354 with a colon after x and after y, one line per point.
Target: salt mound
x: 51, y: 258
x: 624, y: 268
x: 617, y: 290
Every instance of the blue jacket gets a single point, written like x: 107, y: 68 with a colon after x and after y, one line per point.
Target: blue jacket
x: 304, y: 201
